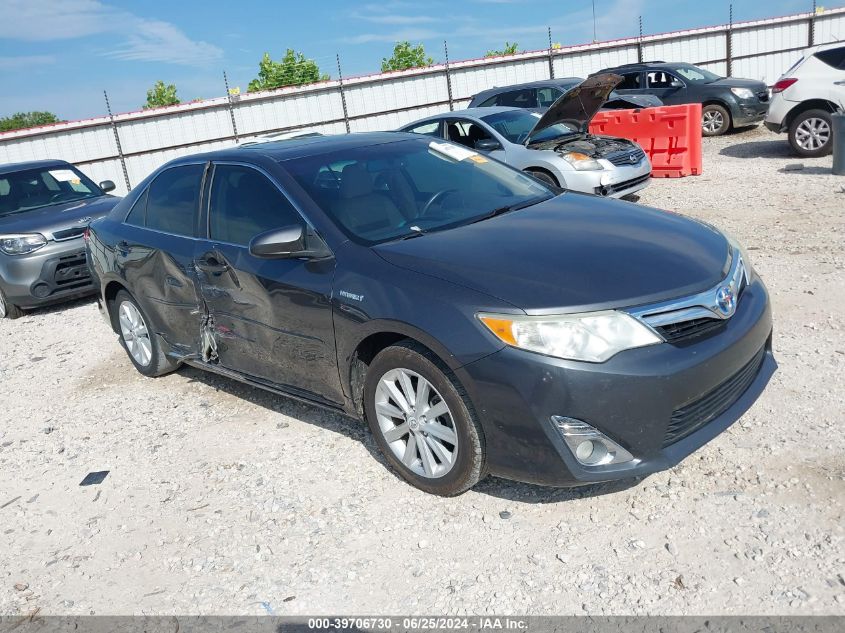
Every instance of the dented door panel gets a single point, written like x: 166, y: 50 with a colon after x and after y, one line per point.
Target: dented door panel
x: 271, y: 318
x: 160, y: 269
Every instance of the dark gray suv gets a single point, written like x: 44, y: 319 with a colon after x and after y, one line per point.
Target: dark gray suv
x: 726, y: 102
x: 45, y: 207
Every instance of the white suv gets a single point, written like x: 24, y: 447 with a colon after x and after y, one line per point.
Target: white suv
x: 806, y: 95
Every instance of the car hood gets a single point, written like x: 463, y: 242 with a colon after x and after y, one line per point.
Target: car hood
x: 58, y: 217
x: 579, y: 105
x: 572, y: 253
x: 735, y: 82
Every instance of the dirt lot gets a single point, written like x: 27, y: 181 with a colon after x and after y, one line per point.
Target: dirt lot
x: 225, y: 499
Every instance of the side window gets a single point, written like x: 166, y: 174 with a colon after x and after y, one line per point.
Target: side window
x: 172, y: 200
x: 834, y: 57
x: 630, y: 81
x: 660, y: 79
x: 489, y: 101
x: 525, y: 98
x: 244, y: 203
x: 547, y: 96
x: 431, y: 128
x: 139, y: 210
x: 466, y: 132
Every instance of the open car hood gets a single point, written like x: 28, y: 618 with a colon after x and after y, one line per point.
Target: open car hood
x: 578, y: 106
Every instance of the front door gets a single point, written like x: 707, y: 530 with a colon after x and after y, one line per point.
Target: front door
x: 669, y: 88
x: 270, y: 318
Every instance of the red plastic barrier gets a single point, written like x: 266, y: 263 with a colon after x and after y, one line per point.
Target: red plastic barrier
x: 670, y: 135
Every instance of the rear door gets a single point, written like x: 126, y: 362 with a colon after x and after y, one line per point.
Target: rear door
x: 271, y: 318
x: 157, y: 253
x: 670, y: 88
x: 633, y: 83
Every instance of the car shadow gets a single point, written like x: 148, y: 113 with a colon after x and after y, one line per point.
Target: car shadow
x: 774, y: 148
x: 357, y: 430
x: 808, y: 171
x: 59, y: 307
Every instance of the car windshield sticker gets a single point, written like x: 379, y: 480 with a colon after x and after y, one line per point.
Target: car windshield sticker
x: 478, y: 158
x: 454, y: 152
x: 65, y: 175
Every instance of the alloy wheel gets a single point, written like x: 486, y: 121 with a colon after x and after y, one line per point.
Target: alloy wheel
x: 135, y: 334
x: 712, y: 121
x: 2, y: 306
x: 812, y: 134
x: 416, y: 423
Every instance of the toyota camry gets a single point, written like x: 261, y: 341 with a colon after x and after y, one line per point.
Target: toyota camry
x: 479, y: 320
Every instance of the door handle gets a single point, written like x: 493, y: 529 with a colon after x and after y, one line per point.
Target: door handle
x: 211, y: 264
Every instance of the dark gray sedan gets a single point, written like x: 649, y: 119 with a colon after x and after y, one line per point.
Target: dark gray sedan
x: 478, y: 319
x: 45, y: 207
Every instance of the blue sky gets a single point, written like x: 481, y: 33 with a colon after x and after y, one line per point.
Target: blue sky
x: 59, y: 55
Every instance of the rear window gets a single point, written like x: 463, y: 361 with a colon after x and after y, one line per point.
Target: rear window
x: 172, y: 200
x: 834, y: 57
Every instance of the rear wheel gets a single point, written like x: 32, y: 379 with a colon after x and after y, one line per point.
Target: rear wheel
x: 136, y: 337
x: 545, y: 176
x: 810, y: 134
x: 715, y: 120
x: 8, y: 310
x: 423, y: 421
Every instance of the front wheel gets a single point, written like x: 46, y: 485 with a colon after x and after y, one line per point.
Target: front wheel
x: 715, y: 120
x: 8, y: 310
x: 810, y: 134
x: 423, y: 421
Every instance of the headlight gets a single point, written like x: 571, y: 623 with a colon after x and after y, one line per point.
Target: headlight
x: 581, y: 162
x: 743, y: 93
x: 21, y: 244
x: 593, y: 337
x: 736, y: 247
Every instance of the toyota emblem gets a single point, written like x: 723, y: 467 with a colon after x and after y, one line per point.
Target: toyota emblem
x: 725, y: 300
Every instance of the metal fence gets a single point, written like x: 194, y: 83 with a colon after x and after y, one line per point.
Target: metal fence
x: 127, y: 147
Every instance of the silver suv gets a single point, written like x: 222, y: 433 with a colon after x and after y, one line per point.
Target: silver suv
x: 45, y: 207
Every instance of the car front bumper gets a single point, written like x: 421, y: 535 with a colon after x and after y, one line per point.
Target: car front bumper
x: 748, y: 112
x: 56, y: 272
x: 630, y: 398
x: 613, y: 181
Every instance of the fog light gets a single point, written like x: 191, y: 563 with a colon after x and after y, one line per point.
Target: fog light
x: 589, y: 445
x: 40, y: 290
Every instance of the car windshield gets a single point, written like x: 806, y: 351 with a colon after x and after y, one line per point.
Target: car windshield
x: 408, y: 188
x: 695, y: 74
x: 22, y: 191
x: 515, y: 125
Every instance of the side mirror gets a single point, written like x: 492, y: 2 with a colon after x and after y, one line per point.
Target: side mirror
x: 290, y: 242
x: 107, y: 185
x: 676, y: 84
x: 487, y: 145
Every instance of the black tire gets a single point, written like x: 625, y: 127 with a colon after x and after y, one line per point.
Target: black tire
x: 544, y: 176
x: 718, y: 114
x: 470, y: 463
x: 159, y: 364
x: 9, y: 310
x: 806, y: 118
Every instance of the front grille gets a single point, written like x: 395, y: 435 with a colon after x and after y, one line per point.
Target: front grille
x: 691, y: 417
x: 68, y: 234
x: 625, y: 158
x: 674, y: 332
x: 71, y: 271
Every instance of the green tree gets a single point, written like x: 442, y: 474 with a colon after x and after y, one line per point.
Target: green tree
x: 406, y: 56
x: 509, y: 49
x: 293, y: 70
x: 161, y: 94
x: 21, y: 120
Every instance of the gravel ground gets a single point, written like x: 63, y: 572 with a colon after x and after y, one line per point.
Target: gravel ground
x: 222, y: 499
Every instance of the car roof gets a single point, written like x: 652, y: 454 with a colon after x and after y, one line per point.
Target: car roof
x: 300, y: 147
x: 474, y: 112
x: 642, y: 66
x: 567, y: 81
x: 32, y: 164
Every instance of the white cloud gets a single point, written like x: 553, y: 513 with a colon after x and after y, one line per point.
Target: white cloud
x: 25, y: 61
x: 144, y: 39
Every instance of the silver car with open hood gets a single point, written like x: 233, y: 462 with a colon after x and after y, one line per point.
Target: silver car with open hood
x: 554, y: 146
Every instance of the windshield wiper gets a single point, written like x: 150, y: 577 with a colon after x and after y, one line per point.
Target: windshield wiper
x: 417, y: 232
x: 512, y: 207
